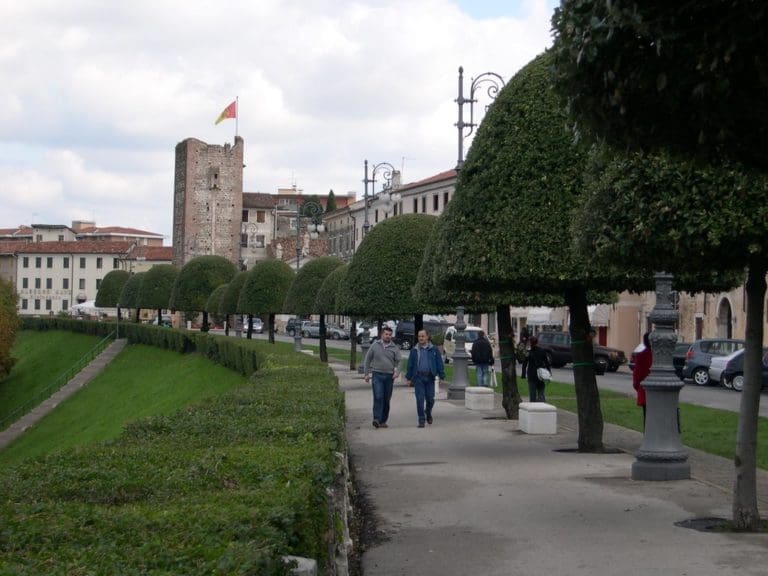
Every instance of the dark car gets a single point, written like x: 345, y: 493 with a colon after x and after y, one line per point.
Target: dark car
x: 405, y: 335
x: 678, y: 357
x: 733, y: 374
x: 699, y: 356
x: 557, y: 345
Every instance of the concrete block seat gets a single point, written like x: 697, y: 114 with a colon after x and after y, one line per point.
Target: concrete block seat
x: 538, y: 418
x: 479, y: 398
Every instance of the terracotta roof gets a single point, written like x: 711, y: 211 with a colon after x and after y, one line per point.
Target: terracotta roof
x: 18, y: 231
x: 153, y: 253
x: 116, y: 230
x: 447, y: 175
x: 74, y: 247
x: 258, y: 200
x: 10, y: 246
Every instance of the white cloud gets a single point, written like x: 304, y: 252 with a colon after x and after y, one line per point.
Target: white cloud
x: 97, y: 95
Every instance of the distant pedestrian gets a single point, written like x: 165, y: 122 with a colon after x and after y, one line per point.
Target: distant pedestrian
x: 537, y: 358
x: 522, y: 353
x: 643, y: 363
x: 383, y: 360
x: 482, y: 357
x: 425, y: 363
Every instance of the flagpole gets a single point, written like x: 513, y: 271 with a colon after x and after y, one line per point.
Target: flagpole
x: 237, y: 113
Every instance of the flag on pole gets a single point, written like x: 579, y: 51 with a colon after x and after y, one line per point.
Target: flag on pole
x: 228, y: 112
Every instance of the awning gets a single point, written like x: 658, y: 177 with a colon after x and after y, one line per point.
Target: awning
x: 543, y: 316
x: 599, y: 314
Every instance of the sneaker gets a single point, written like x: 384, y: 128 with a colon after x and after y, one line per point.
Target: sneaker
x: 376, y: 424
x: 421, y: 424
x: 384, y: 425
x: 429, y: 419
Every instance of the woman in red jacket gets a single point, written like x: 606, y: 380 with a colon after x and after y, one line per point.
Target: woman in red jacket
x: 643, y: 363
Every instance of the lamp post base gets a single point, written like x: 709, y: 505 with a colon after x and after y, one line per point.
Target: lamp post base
x: 660, y: 471
x: 297, y: 342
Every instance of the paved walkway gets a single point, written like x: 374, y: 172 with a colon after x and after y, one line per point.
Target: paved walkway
x: 81, y: 379
x: 473, y: 495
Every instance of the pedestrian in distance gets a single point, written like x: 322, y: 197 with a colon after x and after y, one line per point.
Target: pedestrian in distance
x: 482, y: 357
x: 643, y: 363
x: 425, y: 363
x: 537, y: 358
x: 382, y: 362
x: 522, y: 353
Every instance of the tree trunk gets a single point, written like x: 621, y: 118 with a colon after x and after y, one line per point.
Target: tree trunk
x: 226, y: 324
x: 587, y: 395
x: 205, y: 327
x: 119, y: 317
x: 250, y: 326
x: 353, y: 344
x: 138, y: 312
x: 418, y: 324
x: 159, y: 316
x: 745, y: 513
x: 510, y: 394
x: 323, y: 349
x: 271, y: 320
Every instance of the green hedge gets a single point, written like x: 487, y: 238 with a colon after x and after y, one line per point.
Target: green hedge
x: 226, y: 486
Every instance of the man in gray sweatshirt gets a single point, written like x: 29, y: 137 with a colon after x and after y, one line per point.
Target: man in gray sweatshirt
x: 383, y: 360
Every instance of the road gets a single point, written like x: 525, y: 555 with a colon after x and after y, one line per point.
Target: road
x: 621, y: 381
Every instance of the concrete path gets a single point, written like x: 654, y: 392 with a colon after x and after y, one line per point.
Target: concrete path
x: 81, y: 379
x: 473, y: 495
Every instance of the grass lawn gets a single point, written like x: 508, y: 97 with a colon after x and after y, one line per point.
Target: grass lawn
x: 42, y: 358
x: 141, y: 381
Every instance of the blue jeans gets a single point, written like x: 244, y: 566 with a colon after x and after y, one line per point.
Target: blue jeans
x: 382, y: 393
x: 482, y: 372
x: 424, y: 387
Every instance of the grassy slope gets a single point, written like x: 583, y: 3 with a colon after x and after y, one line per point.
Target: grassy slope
x: 42, y: 357
x: 141, y: 381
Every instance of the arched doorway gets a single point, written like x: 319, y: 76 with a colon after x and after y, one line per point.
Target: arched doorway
x: 724, y: 319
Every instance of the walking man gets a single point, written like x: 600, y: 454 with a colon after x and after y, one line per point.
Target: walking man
x: 424, y: 364
x: 482, y: 357
x: 383, y: 360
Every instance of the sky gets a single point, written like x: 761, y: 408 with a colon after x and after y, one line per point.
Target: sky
x: 96, y: 95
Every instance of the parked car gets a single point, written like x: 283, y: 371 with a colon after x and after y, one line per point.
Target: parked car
x: 373, y: 329
x: 166, y: 321
x: 717, y: 365
x: 405, y: 335
x: 290, y: 326
x: 258, y: 325
x: 678, y: 357
x: 312, y: 330
x: 471, y: 333
x: 732, y: 375
x: 699, y: 357
x: 557, y: 345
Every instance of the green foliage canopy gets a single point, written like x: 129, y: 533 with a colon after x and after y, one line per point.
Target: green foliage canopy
x: 198, y: 279
x: 129, y: 297
x: 305, y: 286
x: 157, y: 287
x: 110, y: 288
x: 265, y: 288
x: 688, y: 76
x: 383, y: 271
x: 9, y: 323
x: 327, y: 301
x: 229, y: 302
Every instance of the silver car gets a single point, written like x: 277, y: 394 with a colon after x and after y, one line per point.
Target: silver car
x: 716, y: 367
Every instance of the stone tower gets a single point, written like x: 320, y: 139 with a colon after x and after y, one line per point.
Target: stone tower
x: 207, y: 200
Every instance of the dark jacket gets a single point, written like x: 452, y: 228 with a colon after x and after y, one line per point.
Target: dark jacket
x: 435, y: 362
x: 482, y: 353
x: 537, y: 358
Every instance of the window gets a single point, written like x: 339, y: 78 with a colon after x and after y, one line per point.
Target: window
x: 37, y: 283
x: 24, y: 304
x: 82, y: 261
x: 435, y: 203
x: 37, y: 304
x: 244, y: 240
x: 424, y: 204
x: 38, y: 262
x: 25, y: 262
x: 261, y: 216
x: 65, y: 304
x: 115, y: 263
x: 49, y: 262
x: 99, y: 263
x: 81, y: 284
x: 65, y: 283
x: 98, y: 283
x: 48, y: 283
x: 25, y: 282
x: 245, y: 215
x: 376, y: 215
x: 445, y: 200
x: 66, y: 261
x: 259, y: 241
x: 38, y: 238
x: 415, y: 205
x: 48, y: 305
x: 61, y: 237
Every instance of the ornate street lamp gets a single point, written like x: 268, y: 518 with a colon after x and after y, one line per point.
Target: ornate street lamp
x: 490, y: 80
x: 313, y: 211
x: 388, y: 198
x: 457, y: 388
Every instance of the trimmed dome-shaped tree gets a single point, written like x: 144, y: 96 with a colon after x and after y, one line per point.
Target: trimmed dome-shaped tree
x: 197, y: 280
x: 228, y: 305
x: 302, y: 295
x: 214, y: 304
x: 9, y: 322
x: 264, y: 291
x: 328, y: 301
x: 508, y: 224
x: 129, y: 296
x: 157, y: 287
x: 110, y: 289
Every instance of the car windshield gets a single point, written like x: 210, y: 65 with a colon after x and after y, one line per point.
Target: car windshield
x: 471, y: 335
